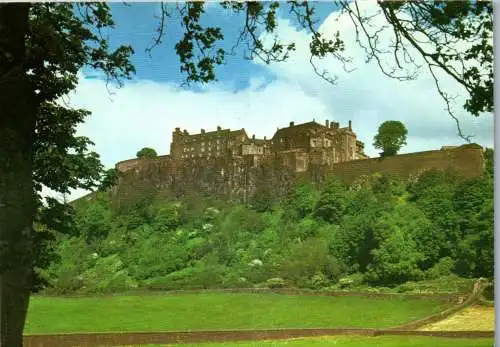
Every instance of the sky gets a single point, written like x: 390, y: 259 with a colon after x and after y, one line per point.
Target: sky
x: 256, y: 96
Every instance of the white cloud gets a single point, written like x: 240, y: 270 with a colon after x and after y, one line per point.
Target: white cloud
x: 144, y: 113
x: 368, y: 97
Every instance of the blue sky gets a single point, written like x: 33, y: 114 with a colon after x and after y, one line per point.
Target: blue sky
x: 136, y: 24
x: 259, y: 97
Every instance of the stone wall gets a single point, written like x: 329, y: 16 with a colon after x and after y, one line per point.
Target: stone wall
x: 236, y: 178
x: 467, y: 160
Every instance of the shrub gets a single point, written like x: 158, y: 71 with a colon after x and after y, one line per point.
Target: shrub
x: 351, y: 281
x: 442, y: 268
x: 107, y: 276
x: 276, y: 282
x: 445, y: 284
x: 318, y: 281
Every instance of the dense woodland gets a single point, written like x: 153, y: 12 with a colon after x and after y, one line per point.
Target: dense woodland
x: 379, y: 233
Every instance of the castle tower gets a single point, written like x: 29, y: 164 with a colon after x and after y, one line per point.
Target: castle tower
x: 177, y: 145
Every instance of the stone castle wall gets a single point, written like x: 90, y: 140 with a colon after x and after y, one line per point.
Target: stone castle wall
x: 237, y: 178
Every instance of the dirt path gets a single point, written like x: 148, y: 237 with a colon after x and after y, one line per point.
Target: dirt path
x: 479, y: 318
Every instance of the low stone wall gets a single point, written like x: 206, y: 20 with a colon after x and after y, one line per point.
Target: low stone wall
x: 452, y: 298
x: 471, y: 299
x: 179, y: 337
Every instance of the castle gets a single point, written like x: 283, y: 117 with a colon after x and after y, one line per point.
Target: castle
x: 229, y: 164
x: 330, y: 143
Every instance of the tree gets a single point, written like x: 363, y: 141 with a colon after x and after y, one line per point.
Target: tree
x: 43, y: 46
x: 299, y: 202
x: 332, y: 202
x: 489, y: 164
x: 146, y: 152
x: 109, y: 179
x: 390, y: 138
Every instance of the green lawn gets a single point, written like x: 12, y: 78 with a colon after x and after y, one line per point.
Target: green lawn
x: 220, y: 311
x: 358, y: 341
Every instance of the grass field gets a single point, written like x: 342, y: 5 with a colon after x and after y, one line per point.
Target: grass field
x: 216, y: 311
x: 353, y: 341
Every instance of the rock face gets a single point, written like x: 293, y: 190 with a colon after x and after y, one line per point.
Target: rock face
x: 237, y: 177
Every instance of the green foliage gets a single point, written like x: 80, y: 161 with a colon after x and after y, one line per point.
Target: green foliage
x: 93, y: 221
x: 351, y: 281
x: 489, y: 163
x: 390, y: 138
x: 65, y: 276
x: 202, y: 275
x: 275, y: 282
x: 380, y: 233
x: 263, y: 199
x: 307, y: 260
x: 396, y: 259
x: 442, y: 268
x: 109, y: 179
x: 299, y: 202
x: 107, y: 276
x: 450, y: 283
x: 146, y: 152
x: 332, y: 201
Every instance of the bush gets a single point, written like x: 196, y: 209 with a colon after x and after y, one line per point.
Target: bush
x: 318, y: 281
x: 489, y: 292
x: 234, y: 280
x: 276, y: 282
x: 199, y: 276
x: 445, y: 284
x: 442, y: 268
x: 107, y: 276
x: 351, y: 281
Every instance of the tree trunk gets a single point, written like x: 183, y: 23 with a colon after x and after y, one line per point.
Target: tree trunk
x: 17, y: 129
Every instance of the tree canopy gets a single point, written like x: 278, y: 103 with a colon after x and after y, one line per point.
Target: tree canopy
x: 390, y: 138
x: 146, y: 152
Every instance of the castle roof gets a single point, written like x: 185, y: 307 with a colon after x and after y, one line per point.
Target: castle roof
x: 239, y: 132
x: 294, y: 130
x: 217, y: 133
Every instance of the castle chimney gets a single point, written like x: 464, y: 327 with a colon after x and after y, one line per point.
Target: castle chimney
x: 218, y: 128
x: 292, y: 124
x: 264, y: 138
x: 253, y: 137
x: 350, y: 125
x: 202, y: 131
x: 327, y: 123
